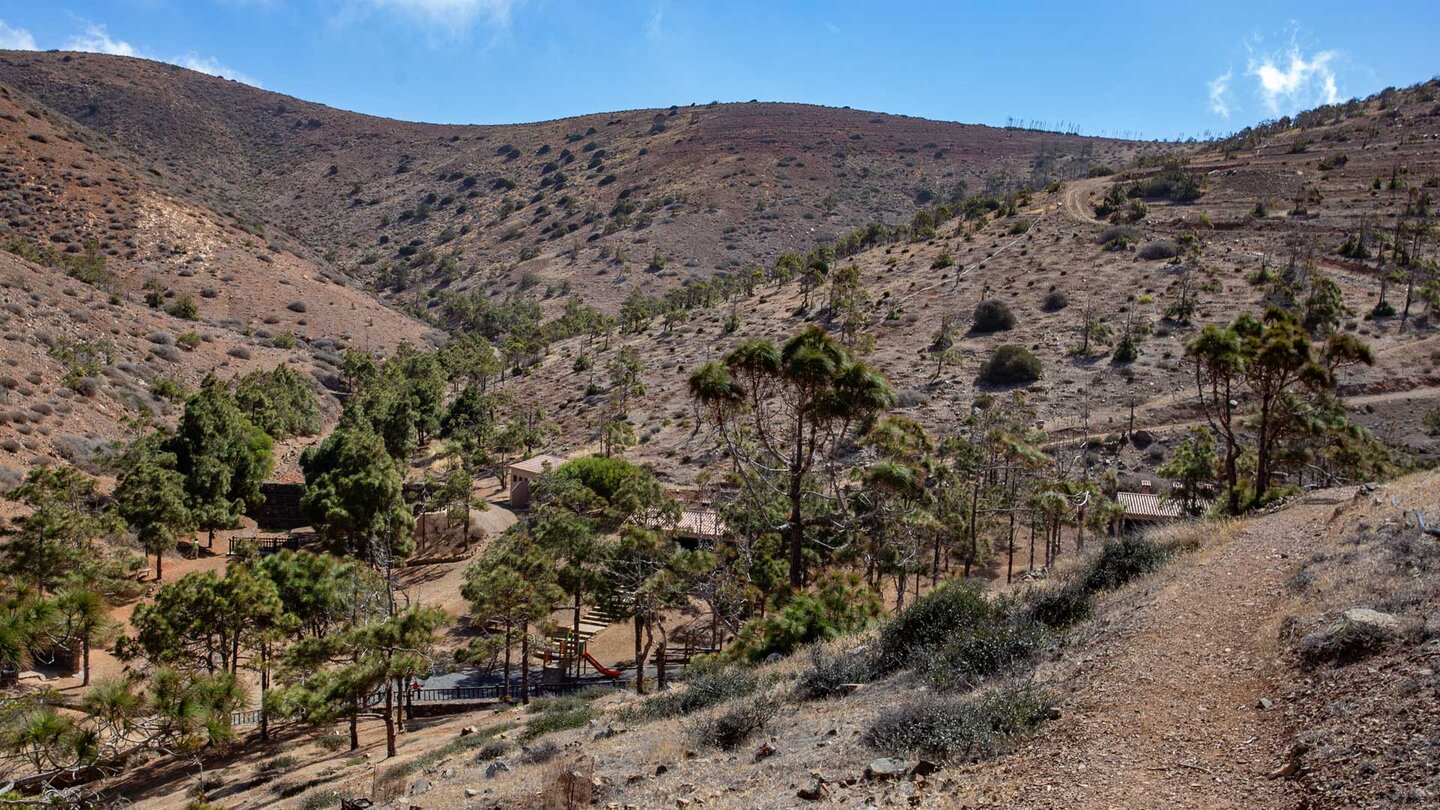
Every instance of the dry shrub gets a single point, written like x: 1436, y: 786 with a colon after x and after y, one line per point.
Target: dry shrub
x: 570, y: 786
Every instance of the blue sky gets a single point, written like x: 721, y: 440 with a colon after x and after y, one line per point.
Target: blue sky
x: 1157, y: 69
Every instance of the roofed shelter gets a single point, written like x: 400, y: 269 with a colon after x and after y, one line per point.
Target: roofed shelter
x: 523, y: 472
x: 1147, y: 507
x: 697, y: 527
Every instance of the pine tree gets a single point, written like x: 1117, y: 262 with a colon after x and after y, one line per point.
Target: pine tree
x: 223, y: 456
x: 353, y: 494
x: 150, y: 497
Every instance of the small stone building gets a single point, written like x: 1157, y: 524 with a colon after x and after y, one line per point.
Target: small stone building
x: 523, y: 472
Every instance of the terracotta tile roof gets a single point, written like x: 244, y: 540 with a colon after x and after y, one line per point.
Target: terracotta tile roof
x: 701, y: 523
x: 693, y: 522
x: 537, y: 465
x: 1149, y: 505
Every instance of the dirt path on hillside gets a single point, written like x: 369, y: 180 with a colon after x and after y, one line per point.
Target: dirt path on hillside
x: 1171, y: 426
x: 1077, y: 198
x: 1163, y: 710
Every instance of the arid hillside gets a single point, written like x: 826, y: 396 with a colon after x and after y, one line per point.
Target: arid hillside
x: 1278, y: 205
x: 114, y: 282
x: 584, y: 202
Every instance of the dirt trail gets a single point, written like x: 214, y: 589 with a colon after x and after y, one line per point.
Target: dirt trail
x: 1163, y: 711
x: 1120, y: 418
x: 1077, y: 198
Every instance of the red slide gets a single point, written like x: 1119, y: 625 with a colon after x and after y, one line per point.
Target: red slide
x: 600, y: 668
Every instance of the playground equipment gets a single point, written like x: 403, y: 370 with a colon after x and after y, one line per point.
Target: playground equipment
x: 600, y: 668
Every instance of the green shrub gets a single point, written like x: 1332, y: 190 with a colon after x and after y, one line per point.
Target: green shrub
x: 1067, y: 605
x: 706, y: 684
x: 189, y: 341
x: 1121, y: 561
x: 830, y: 672
x: 930, y: 621
x: 960, y: 728
x: 557, y: 714
x: 731, y: 728
x: 1126, y: 351
x: 184, y: 308
x: 1010, y: 364
x: 1161, y: 249
x: 168, y: 388
x: 980, y: 652
x: 992, y: 315
x: 1054, y: 301
x: 840, y: 604
x: 1118, y: 237
x: 280, y: 402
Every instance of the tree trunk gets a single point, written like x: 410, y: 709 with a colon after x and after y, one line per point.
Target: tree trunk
x: 935, y: 563
x: 159, y: 565
x: 401, y: 696
x: 1262, y: 451
x: 660, y: 667
x: 525, y: 663
x: 639, y: 658
x: 85, y: 659
x: 575, y: 639
x: 505, y: 684
x: 1031, y: 567
x: 264, y: 688
x: 1010, y: 551
x: 354, y: 724
x: 974, y: 527
x: 796, y: 529
x: 389, y: 718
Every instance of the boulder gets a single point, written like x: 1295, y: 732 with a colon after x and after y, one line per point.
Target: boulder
x: 1365, y: 617
x: 496, y: 768
x: 886, y: 768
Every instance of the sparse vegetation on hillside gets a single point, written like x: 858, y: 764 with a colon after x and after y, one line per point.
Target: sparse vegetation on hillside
x: 1010, y: 365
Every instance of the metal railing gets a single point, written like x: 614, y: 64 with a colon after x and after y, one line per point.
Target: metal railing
x: 490, y: 693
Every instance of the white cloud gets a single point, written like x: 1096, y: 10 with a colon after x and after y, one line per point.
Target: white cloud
x: 455, y: 15
x: 97, y: 40
x: 1220, y: 94
x: 655, y: 23
x: 15, y: 39
x: 206, y: 64
x: 1290, y: 81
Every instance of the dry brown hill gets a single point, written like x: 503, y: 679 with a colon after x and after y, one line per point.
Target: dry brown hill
x: 1054, y: 244
x: 87, y: 234
x: 585, y: 200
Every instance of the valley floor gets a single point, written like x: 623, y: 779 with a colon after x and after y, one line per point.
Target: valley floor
x: 1181, y: 693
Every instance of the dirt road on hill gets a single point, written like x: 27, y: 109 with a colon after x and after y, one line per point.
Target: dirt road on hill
x: 1164, y: 712
x: 1077, y: 198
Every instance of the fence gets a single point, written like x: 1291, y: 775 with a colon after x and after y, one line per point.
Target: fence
x: 464, y: 694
